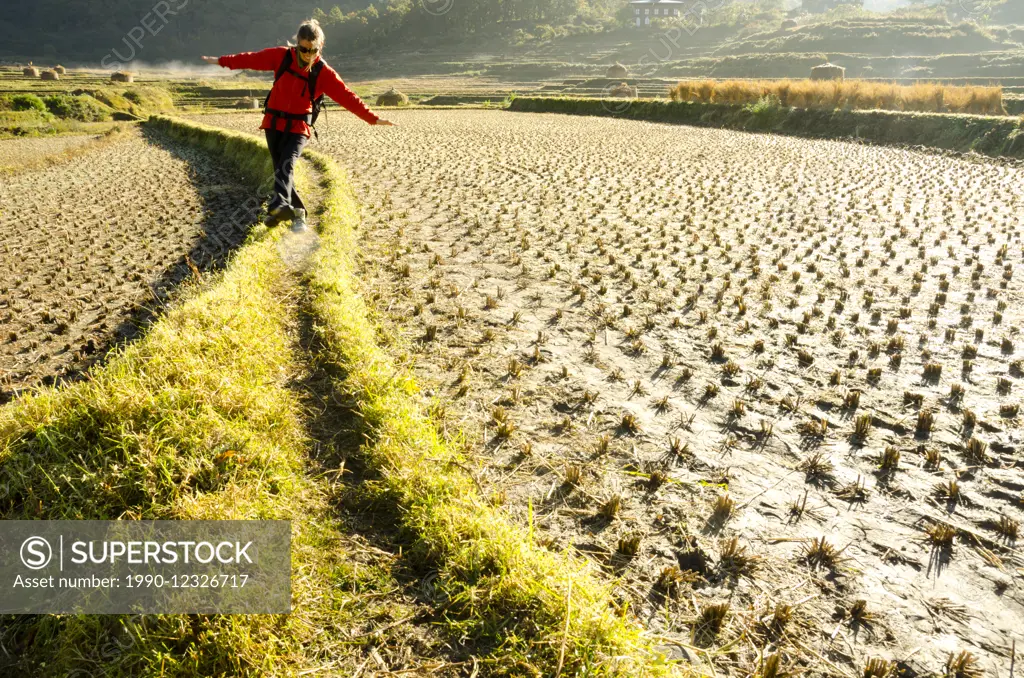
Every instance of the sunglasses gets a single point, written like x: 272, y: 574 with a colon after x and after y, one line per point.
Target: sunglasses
x: 308, y: 50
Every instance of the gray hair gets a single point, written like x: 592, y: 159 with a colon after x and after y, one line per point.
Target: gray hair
x: 311, y: 30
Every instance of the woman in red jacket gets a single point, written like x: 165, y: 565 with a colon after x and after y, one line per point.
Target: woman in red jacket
x: 288, y: 112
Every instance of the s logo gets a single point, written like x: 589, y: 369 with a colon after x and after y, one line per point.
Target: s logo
x: 36, y: 553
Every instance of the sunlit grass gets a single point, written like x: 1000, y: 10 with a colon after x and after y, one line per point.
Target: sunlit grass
x: 548, y: 612
x: 196, y: 421
x: 851, y: 94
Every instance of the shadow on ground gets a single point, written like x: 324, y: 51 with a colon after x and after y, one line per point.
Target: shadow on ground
x: 229, y: 209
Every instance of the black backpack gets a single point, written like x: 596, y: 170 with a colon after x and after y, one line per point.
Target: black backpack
x: 318, y: 103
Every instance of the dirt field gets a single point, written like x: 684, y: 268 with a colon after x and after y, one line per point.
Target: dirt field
x: 771, y: 384
x: 16, y: 153
x: 90, y: 248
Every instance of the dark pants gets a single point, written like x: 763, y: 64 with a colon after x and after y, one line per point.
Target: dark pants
x: 285, y: 149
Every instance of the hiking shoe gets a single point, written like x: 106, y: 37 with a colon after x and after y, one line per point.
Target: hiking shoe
x: 299, y: 221
x: 279, y: 214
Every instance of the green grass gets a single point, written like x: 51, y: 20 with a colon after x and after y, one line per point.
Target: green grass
x: 82, y: 108
x: 138, y: 100
x: 544, y: 613
x: 27, y: 114
x: 71, y: 105
x: 195, y: 421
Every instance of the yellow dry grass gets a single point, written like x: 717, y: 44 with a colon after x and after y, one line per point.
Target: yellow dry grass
x: 850, y: 94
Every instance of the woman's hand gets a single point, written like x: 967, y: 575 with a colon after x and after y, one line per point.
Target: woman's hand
x: 212, y: 60
x: 385, y: 123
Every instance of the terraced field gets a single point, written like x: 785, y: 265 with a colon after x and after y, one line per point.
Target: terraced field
x: 93, y: 247
x: 771, y: 385
x: 18, y: 154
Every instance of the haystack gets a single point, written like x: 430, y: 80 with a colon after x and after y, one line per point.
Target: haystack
x: 617, y: 71
x: 623, y: 90
x: 828, y: 71
x: 120, y: 76
x: 60, y: 70
x: 30, y: 71
x: 49, y: 75
x: 247, y: 102
x: 392, y: 98
x: 789, y: 24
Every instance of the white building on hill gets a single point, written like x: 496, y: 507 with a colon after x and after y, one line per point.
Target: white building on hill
x: 645, y: 10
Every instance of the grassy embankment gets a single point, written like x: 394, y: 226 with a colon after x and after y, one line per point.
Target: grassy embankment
x: 989, y: 135
x: 197, y: 421
x: 78, y: 110
x: 546, y: 612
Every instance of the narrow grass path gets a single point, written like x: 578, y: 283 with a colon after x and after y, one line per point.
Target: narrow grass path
x: 196, y: 421
x: 542, y: 613
x: 246, y: 401
x: 204, y: 418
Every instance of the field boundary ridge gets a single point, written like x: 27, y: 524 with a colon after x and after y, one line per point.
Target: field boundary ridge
x: 994, y: 136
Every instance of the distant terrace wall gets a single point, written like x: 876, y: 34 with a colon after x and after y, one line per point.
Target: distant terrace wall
x: 1001, y: 136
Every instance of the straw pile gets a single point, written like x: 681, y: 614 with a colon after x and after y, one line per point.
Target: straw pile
x: 392, y: 98
x: 623, y: 90
x: 617, y: 71
x: 828, y: 72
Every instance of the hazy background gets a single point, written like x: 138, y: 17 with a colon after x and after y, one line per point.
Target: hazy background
x: 539, y: 39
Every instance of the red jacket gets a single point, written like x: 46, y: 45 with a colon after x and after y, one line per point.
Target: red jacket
x: 291, y: 93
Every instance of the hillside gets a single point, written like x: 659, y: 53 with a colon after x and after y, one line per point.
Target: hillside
x: 128, y: 30
x: 881, y: 37
x: 1010, y: 13
x: 519, y: 45
x: 927, y: 48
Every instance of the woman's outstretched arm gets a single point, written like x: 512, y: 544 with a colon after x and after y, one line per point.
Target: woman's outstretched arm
x: 331, y: 84
x: 264, y: 60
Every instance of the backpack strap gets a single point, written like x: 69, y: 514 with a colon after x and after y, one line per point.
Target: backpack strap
x: 286, y: 64
x: 317, y: 101
x: 314, y: 74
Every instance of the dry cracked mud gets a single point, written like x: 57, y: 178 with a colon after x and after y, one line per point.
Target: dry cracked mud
x: 92, y: 248
x: 771, y: 385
